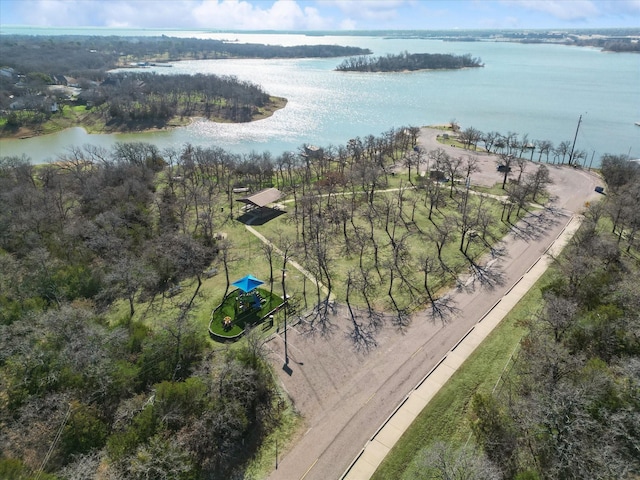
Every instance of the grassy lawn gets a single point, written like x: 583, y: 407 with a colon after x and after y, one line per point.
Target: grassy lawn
x: 446, y: 417
x: 495, y: 190
x: 415, y: 227
x: 248, y: 258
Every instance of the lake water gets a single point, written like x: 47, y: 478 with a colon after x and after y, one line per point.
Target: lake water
x: 539, y: 90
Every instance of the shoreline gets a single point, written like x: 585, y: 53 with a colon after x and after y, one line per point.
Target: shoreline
x: 26, y: 132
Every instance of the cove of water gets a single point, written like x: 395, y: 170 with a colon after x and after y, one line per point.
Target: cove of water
x: 539, y: 90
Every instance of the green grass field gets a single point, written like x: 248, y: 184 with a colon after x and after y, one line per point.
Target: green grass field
x: 415, y: 227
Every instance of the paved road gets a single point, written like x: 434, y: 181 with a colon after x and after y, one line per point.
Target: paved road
x: 345, y: 395
x: 375, y: 451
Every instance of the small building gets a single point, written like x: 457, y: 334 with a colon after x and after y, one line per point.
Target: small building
x: 261, y: 199
x: 71, y: 82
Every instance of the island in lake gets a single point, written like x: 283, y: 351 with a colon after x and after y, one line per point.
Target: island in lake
x: 408, y: 62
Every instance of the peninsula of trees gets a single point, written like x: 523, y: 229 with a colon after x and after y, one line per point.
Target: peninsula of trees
x: 408, y: 61
x: 92, y: 56
x: 51, y: 83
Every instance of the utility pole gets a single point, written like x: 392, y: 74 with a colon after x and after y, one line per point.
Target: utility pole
x: 284, y: 293
x: 574, y: 140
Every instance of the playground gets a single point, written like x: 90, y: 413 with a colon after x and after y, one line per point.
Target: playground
x: 246, y: 306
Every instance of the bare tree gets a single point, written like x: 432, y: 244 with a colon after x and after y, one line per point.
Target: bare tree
x: 361, y: 332
x: 521, y: 163
x: 544, y: 146
x: 441, y: 236
x: 227, y: 257
x: 470, y: 136
x: 453, y: 166
x: 465, y: 220
x: 433, y: 193
x: 412, y: 159
x: 489, y: 140
x: 506, y: 161
x: 441, y: 461
x: 538, y: 181
x: 126, y: 277
x: 562, y: 149
x: 442, y: 308
x: 470, y: 165
x: 269, y: 249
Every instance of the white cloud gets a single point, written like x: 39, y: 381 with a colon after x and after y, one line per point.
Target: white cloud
x: 559, y: 9
x: 348, y: 24
x: 51, y: 13
x: 318, y: 14
x: 315, y: 21
x: 280, y: 15
x: 368, y: 9
x: 622, y: 7
x: 221, y: 14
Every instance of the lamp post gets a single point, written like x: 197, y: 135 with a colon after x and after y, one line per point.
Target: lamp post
x: 284, y: 293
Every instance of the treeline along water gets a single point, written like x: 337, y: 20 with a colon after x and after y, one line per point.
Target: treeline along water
x: 538, y: 89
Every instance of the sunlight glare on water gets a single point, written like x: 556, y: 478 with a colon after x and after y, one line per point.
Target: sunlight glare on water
x: 538, y: 90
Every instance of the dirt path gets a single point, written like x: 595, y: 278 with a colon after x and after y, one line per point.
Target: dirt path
x: 345, y: 395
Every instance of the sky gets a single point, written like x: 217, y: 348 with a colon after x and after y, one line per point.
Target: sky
x: 323, y: 14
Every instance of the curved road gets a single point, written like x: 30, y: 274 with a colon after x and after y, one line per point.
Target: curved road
x: 345, y: 395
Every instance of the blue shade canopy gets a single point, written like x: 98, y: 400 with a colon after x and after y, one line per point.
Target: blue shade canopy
x: 247, y: 283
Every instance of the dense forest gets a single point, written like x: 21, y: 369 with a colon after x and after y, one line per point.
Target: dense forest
x: 408, y: 61
x: 84, y: 389
x: 146, y: 96
x: 141, y: 100
x: 569, y: 407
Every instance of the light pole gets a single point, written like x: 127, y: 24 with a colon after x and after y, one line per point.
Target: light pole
x: 284, y: 293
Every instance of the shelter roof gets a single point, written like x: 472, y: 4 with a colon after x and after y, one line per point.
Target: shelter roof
x: 263, y: 197
x: 247, y: 283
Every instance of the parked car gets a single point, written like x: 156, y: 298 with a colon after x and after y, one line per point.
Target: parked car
x: 504, y: 168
